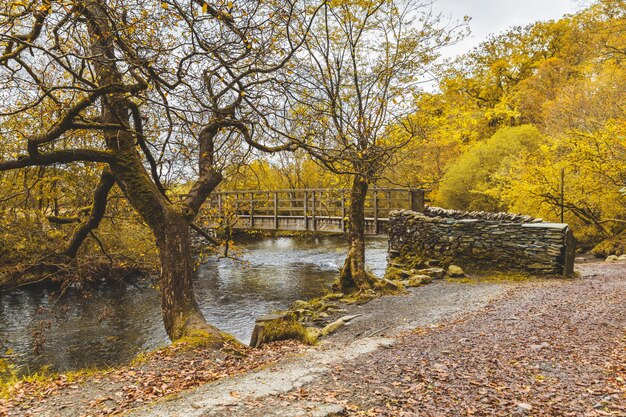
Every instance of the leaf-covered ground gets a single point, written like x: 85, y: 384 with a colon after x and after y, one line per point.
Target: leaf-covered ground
x: 549, y: 350
x: 161, y: 374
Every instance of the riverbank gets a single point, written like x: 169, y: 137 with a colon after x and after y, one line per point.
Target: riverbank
x: 56, y: 273
x: 169, y: 372
x: 107, y: 325
x: 538, y: 347
x: 543, y: 348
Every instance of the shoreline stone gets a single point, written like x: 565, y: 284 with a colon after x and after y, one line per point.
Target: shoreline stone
x: 455, y: 271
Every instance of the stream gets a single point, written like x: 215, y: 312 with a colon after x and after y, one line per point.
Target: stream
x: 109, y: 325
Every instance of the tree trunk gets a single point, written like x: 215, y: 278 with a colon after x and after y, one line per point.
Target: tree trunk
x: 168, y: 222
x: 170, y: 225
x: 181, y: 314
x: 353, y: 275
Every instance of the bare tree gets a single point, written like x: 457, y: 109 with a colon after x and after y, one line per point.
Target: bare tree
x: 362, y: 64
x: 153, y: 92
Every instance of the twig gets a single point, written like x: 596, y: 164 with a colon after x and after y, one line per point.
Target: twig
x: 93, y: 235
x: 376, y: 332
x: 204, y: 234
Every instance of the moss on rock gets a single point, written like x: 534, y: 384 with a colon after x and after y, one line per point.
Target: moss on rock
x: 488, y: 276
x: 287, y: 328
x: 409, y: 261
x: 394, y: 273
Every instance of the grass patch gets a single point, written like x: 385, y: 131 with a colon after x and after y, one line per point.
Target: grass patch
x: 39, y: 382
x: 498, y: 276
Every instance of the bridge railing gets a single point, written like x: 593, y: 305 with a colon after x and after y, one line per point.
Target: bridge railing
x: 311, y: 209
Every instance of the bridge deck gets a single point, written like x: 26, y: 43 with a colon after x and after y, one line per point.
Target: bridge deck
x: 321, y: 210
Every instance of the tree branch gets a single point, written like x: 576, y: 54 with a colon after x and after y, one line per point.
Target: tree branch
x: 56, y: 157
x: 97, y: 212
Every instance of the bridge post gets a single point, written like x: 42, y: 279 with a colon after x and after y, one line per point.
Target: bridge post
x: 375, y: 212
x: 251, y: 209
x: 313, y: 213
x: 343, y: 211
x: 306, y: 209
x: 276, y: 210
x: 416, y: 200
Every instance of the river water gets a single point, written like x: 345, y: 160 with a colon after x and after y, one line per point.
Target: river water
x: 109, y: 325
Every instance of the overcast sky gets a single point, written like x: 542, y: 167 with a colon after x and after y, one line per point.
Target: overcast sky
x: 495, y: 16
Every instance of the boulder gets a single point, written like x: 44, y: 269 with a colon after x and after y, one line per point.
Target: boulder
x: 612, y: 258
x: 393, y: 273
x: 434, y: 273
x: 417, y: 280
x: 455, y: 271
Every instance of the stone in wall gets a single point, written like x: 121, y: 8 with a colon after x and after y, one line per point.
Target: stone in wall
x: 481, y: 240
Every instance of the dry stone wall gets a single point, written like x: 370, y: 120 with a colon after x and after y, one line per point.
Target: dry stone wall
x: 481, y: 241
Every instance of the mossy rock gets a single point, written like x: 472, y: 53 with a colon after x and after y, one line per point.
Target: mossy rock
x: 316, y: 308
x: 410, y: 261
x: 435, y: 273
x: 417, y: 281
x: 455, y: 271
x: 286, y: 328
x: 396, y: 274
x: 497, y: 277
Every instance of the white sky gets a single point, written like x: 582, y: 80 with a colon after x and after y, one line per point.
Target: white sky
x: 495, y: 16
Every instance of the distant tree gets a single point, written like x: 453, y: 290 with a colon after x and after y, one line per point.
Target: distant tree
x: 362, y: 64
x: 471, y: 181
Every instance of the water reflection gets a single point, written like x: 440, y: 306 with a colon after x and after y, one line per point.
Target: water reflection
x: 110, y: 325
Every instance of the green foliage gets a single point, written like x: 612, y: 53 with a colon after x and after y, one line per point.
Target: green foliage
x: 615, y: 245
x: 470, y: 180
x: 11, y: 381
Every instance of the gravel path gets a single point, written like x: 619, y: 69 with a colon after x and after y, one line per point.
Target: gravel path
x: 549, y: 348
x: 557, y: 349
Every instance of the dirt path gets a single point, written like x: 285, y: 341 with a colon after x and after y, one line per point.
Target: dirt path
x: 553, y: 348
x: 386, y: 316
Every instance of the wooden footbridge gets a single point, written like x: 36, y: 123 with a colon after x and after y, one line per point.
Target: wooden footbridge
x: 314, y: 209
